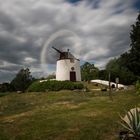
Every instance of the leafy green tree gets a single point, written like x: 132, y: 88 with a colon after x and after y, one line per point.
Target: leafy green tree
x: 5, y: 87
x: 22, y: 80
x: 116, y: 69
x: 103, y: 74
x: 127, y: 66
x: 89, y: 71
x: 134, y: 54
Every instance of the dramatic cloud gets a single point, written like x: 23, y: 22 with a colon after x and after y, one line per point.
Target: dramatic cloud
x: 102, y: 27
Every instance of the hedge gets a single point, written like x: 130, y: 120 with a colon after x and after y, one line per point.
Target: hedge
x: 54, y: 86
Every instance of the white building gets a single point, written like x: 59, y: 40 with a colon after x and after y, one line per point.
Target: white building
x: 67, y: 67
x: 103, y: 82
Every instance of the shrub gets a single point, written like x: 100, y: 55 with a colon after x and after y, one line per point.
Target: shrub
x: 138, y: 87
x: 103, y: 89
x: 54, y: 86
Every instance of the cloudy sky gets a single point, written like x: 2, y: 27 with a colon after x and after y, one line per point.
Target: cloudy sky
x: 94, y: 30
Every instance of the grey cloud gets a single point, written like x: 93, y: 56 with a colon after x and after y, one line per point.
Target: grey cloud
x: 102, y: 26
x: 6, y: 22
x: 6, y: 76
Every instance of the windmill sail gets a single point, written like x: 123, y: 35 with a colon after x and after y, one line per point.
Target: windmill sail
x: 57, y: 50
x: 64, y: 55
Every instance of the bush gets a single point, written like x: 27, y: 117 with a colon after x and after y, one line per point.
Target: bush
x: 54, y: 86
x: 138, y: 87
x: 103, y: 89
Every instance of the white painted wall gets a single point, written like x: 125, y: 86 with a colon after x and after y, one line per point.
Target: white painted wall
x: 103, y: 82
x: 63, y: 69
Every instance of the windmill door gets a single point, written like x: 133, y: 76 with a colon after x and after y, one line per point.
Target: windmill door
x: 73, y: 76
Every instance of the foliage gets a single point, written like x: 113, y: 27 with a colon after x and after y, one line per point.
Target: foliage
x: 134, y: 54
x: 54, y: 86
x: 131, y: 122
x: 138, y: 87
x: 89, y: 71
x: 4, y: 87
x: 103, y: 74
x: 22, y: 80
x: 127, y: 66
x: 116, y: 69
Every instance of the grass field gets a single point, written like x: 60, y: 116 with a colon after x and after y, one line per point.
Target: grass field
x: 64, y: 115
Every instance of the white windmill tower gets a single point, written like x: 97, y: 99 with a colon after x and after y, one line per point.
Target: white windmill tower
x: 67, y: 67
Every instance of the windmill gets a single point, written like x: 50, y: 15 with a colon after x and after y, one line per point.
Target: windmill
x: 67, y: 67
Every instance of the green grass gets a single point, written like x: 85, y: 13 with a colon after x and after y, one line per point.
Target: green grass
x: 4, y: 93
x: 93, y: 85
x: 63, y: 115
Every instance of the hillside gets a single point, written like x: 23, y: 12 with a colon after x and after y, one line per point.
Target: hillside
x: 64, y: 115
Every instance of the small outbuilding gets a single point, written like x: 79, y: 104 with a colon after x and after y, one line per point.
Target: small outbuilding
x: 106, y: 83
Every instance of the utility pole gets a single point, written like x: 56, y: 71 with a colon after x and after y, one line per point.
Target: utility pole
x: 110, y: 94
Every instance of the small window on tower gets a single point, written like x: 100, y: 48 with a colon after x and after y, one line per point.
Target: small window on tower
x: 72, y: 68
x: 72, y: 60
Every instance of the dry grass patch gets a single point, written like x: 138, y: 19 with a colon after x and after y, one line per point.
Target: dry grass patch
x: 12, y: 118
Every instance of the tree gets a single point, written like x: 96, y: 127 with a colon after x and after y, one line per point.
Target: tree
x: 103, y: 74
x: 22, y: 80
x: 117, y: 69
x: 134, y: 53
x: 6, y: 87
x: 127, y: 66
x: 89, y: 71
